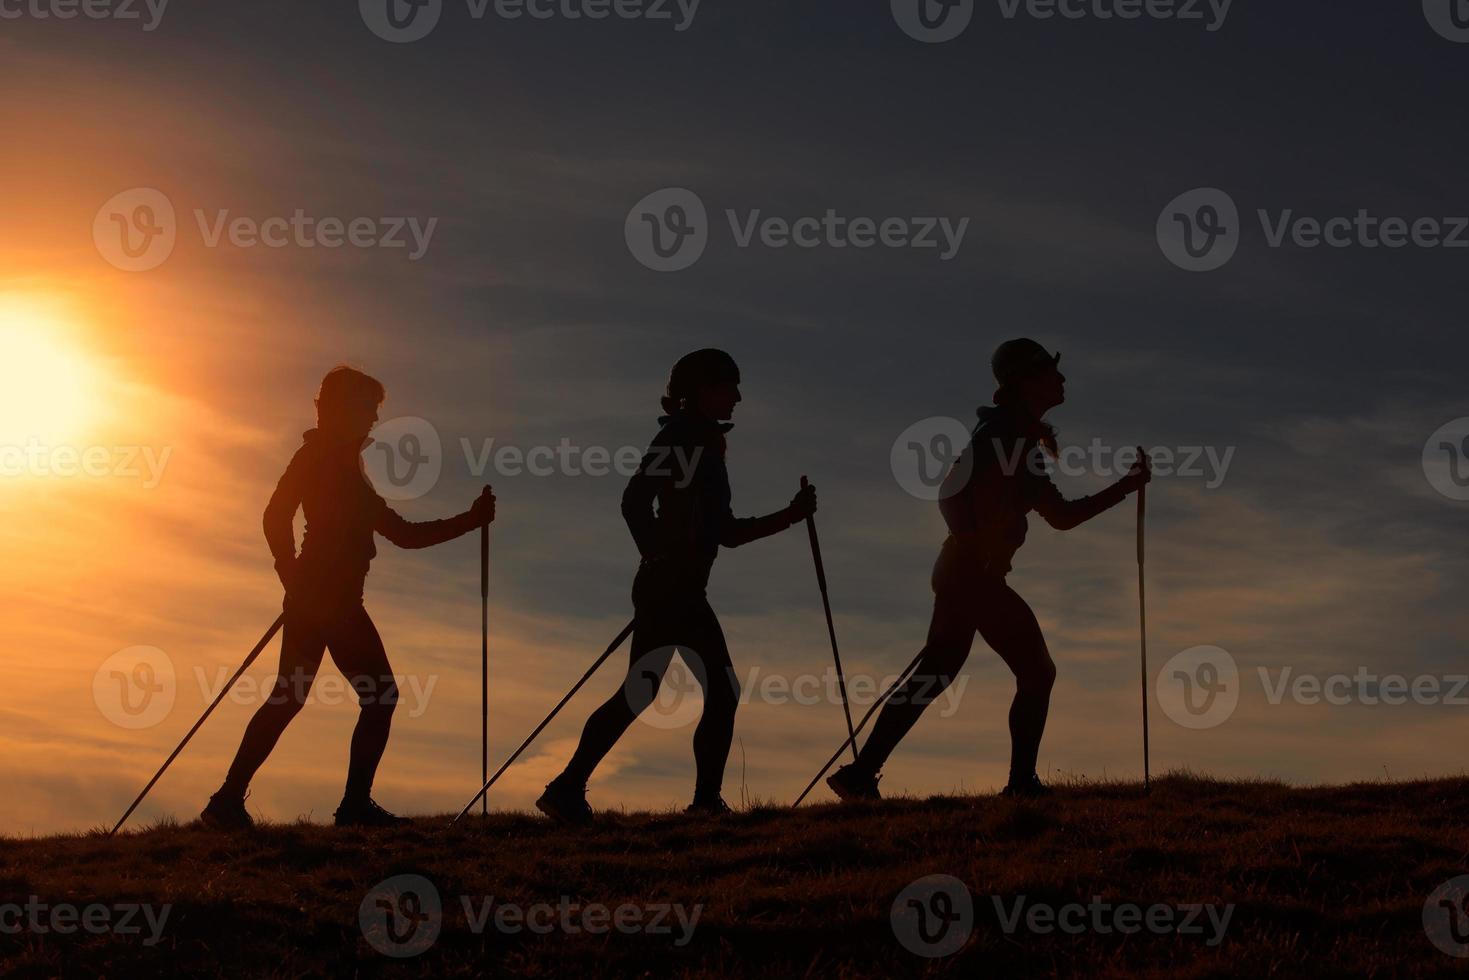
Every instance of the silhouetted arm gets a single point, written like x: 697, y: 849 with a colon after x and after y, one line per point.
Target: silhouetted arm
x: 424, y: 534
x: 1063, y: 514
x: 742, y: 530
x: 736, y: 531
x: 637, y: 502
x: 280, y: 513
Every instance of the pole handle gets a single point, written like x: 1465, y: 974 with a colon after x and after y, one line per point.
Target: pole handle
x: 815, y: 546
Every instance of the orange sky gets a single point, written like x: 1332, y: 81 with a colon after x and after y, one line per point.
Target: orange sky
x: 528, y: 323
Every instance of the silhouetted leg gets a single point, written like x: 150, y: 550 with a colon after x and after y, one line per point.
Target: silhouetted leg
x: 1008, y: 625
x: 950, y: 635
x: 715, y: 731
x: 648, y: 660
x: 302, y: 645
x: 358, y: 652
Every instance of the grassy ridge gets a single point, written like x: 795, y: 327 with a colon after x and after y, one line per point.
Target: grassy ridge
x: 1325, y: 881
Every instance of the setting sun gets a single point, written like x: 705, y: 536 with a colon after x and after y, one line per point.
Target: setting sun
x: 47, y: 385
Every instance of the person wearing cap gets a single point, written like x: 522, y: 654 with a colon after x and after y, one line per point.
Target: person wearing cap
x: 684, y: 473
x: 999, y: 478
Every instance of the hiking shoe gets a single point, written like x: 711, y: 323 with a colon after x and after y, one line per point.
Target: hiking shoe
x: 1027, y: 788
x: 367, y: 814
x: 713, y: 807
x: 226, y: 812
x: 565, y: 802
x: 851, y: 784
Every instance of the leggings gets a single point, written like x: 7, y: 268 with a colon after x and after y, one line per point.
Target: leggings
x: 998, y: 613
x: 689, y: 624
x: 357, y: 650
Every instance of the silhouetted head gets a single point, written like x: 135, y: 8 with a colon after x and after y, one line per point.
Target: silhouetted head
x: 706, y: 382
x: 347, y: 403
x: 1029, y: 376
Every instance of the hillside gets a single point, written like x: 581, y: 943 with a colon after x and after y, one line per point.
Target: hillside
x: 1327, y: 881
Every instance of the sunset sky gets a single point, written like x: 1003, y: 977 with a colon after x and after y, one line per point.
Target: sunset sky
x: 527, y: 319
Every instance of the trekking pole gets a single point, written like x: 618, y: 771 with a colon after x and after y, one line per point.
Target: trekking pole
x: 264, y: 640
x: 484, y: 657
x: 611, y: 648
x: 830, y: 629
x: 1142, y: 615
x: 860, y: 725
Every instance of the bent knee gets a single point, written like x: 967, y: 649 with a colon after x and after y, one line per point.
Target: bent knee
x: 1039, y: 678
x: 380, y: 698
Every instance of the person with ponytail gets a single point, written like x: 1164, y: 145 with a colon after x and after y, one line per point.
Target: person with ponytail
x: 998, y: 479
x: 684, y: 474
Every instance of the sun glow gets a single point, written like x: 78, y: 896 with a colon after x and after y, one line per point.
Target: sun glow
x: 48, y: 385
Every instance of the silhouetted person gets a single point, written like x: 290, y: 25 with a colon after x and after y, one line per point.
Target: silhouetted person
x: 323, y: 604
x: 985, y: 497
x: 684, y: 473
